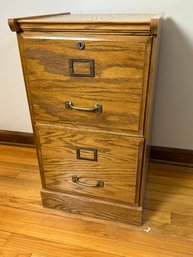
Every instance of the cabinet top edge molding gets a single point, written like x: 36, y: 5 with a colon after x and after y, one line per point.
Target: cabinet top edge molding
x: 141, y: 23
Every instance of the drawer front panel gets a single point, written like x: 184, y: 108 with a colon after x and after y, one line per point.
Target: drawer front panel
x: 96, y: 164
x: 109, y: 71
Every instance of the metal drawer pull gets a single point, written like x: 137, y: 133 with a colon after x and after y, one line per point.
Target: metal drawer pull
x: 76, y: 179
x: 98, y: 107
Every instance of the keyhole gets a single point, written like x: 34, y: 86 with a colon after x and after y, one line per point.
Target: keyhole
x: 80, y: 45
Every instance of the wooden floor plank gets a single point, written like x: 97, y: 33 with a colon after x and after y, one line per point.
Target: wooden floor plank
x: 29, y: 230
x: 56, y: 235
x: 47, y: 248
x: 182, y: 218
x: 165, y: 207
x: 161, y: 169
x: 21, y: 188
x: 9, y: 252
x: 4, y: 236
x: 46, y: 227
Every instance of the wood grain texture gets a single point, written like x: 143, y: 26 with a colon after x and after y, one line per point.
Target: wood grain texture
x: 4, y: 237
x: 28, y: 228
x: 26, y: 79
x: 92, y: 207
x: 157, y: 153
x: 120, y: 82
x: 118, y: 164
x: 118, y: 23
x: 17, y: 138
x: 150, y: 108
x: 115, y: 70
x: 42, y: 247
x: 98, y: 28
x: 169, y: 154
x: 182, y: 217
x: 14, y: 22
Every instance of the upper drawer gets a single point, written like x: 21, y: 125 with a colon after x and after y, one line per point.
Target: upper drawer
x: 110, y: 71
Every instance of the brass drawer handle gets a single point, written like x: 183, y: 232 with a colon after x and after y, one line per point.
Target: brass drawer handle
x: 76, y: 179
x: 98, y: 107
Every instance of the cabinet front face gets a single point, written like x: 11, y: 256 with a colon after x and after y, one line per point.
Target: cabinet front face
x: 96, y: 164
x: 94, y: 81
x: 89, y: 82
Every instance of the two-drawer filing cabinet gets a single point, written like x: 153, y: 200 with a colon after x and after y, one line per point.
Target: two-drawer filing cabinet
x: 89, y: 82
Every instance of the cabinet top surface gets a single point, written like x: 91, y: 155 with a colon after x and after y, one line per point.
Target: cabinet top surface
x: 92, y: 18
x: 54, y: 22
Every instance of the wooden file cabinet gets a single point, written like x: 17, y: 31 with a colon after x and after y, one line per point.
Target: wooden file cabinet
x: 89, y: 81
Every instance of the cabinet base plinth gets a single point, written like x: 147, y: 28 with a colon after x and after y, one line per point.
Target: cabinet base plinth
x: 92, y: 207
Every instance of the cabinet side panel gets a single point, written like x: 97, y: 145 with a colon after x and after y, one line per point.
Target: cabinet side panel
x: 26, y: 80
x: 148, y: 114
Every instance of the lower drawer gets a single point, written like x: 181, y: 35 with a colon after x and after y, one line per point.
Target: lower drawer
x: 96, y: 164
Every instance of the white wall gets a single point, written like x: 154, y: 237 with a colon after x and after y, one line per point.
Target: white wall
x: 173, y: 114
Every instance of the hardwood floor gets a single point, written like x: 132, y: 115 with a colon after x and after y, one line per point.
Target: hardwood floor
x: 29, y: 230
